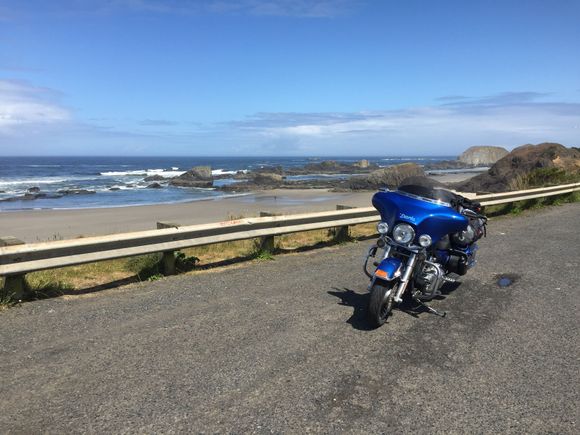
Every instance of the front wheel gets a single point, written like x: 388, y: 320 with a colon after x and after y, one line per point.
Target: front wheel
x: 381, y: 302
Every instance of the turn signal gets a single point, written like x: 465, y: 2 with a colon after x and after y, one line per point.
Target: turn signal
x: 381, y: 273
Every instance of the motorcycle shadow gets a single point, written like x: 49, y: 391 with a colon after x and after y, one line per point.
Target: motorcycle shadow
x: 359, y: 302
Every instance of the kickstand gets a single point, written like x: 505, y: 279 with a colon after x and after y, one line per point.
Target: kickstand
x: 431, y: 310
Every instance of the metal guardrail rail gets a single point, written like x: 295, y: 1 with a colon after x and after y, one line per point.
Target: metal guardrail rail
x: 18, y: 258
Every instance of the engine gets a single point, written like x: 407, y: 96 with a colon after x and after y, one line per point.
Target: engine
x: 429, y: 281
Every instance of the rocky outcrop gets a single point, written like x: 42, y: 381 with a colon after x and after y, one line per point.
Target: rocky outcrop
x: 266, y: 170
x: 266, y: 179
x: 362, y: 164
x: 421, y: 181
x: 33, y: 190
x: 447, y: 165
x: 76, y: 192
x: 199, y: 176
x: 154, y: 186
x: 391, y: 176
x: 333, y: 167
x: 154, y: 178
x: 482, y: 155
x: 521, y: 163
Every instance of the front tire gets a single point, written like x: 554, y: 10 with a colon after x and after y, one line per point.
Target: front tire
x: 381, y: 302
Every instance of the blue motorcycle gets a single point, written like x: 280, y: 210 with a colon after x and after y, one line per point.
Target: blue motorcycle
x: 427, y: 237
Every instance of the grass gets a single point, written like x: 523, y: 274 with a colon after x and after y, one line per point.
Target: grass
x: 543, y: 177
x: 516, y: 208
x: 111, y: 273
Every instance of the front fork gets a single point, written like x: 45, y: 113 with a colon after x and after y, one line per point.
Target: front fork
x: 405, y: 278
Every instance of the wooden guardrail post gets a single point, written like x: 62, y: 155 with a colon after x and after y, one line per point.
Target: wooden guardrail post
x: 342, y: 233
x: 168, y: 257
x: 267, y: 243
x: 14, y: 285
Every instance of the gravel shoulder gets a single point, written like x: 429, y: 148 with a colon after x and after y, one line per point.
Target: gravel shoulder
x: 283, y: 346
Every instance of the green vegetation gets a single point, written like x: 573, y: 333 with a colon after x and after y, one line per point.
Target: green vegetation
x: 144, y: 266
x: 106, y: 274
x: 516, y: 208
x: 6, y: 300
x: 543, y: 177
x: 184, y: 263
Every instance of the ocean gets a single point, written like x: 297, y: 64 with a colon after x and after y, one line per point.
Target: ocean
x: 119, y: 181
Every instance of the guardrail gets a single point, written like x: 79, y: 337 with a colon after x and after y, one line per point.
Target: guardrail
x: 18, y: 258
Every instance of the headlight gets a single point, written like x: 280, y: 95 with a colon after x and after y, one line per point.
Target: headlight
x: 382, y: 227
x: 403, y: 234
x: 425, y: 240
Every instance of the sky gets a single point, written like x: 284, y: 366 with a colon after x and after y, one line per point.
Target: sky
x: 286, y: 77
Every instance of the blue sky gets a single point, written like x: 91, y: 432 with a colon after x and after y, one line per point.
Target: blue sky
x: 286, y: 77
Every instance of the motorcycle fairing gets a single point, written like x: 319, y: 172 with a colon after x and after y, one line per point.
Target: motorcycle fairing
x: 389, y: 269
x: 428, y: 217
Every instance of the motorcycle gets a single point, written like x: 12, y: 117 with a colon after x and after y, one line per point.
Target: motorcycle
x: 427, y: 237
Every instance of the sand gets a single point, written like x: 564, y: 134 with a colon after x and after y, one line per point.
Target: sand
x: 42, y: 225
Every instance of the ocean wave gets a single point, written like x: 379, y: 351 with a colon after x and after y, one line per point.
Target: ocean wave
x: 34, y: 181
x: 43, y: 166
x: 143, y: 173
x: 226, y: 172
x: 404, y: 159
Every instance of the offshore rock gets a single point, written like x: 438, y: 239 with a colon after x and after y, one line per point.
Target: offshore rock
x: 482, y: 155
x: 76, y: 192
x: 199, y: 176
x: 155, y: 177
x: 363, y: 164
x: 266, y: 179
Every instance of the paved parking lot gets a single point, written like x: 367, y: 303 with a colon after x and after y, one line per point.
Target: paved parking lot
x: 283, y: 346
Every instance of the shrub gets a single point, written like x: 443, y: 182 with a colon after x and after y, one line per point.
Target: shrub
x: 145, y: 266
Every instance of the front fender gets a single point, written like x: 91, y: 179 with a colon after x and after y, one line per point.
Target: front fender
x: 389, y: 269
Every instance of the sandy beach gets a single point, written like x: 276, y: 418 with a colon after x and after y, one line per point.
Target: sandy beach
x: 42, y: 225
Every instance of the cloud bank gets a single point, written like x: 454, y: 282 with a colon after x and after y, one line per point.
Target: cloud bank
x: 23, y: 105
x: 34, y: 121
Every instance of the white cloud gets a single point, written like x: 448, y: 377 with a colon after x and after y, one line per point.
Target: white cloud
x: 509, y: 119
x: 23, y: 105
x: 33, y: 121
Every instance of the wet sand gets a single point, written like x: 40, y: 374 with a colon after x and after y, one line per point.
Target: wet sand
x: 42, y: 225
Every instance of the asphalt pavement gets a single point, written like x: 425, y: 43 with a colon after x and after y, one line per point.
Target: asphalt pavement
x: 283, y: 346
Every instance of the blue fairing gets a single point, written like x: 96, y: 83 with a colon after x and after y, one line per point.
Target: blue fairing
x: 426, y: 217
x: 390, y: 266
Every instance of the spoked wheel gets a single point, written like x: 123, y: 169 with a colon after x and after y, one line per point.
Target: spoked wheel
x: 381, y: 302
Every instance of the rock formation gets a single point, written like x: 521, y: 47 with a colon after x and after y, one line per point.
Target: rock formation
x: 510, y: 172
x: 482, y: 155
x: 363, y: 164
x: 391, y: 176
x: 266, y: 179
x: 155, y: 177
x: 199, y: 176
